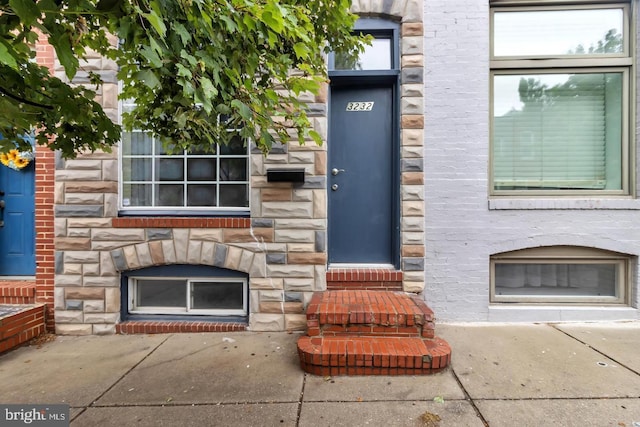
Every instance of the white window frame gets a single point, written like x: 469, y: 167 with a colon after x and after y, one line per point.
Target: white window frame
x: 564, y: 255
x: 562, y: 64
x: 184, y: 210
x: 187, y: 310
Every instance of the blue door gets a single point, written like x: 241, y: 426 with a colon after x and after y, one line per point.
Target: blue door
x: 361, y: 177
x: 17, y: 233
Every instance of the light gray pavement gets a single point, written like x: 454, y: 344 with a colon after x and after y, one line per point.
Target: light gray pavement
x: 501, y: 375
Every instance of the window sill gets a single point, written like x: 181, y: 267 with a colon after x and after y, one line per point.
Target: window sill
x: 559, y: 204
x: 560, y: 313
x: 179, y: 222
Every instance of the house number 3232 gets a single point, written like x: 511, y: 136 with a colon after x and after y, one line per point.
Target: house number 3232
x: 360, y: 106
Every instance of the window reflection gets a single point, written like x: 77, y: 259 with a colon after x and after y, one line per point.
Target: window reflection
x: 558, y: 32
x: 375, y: 57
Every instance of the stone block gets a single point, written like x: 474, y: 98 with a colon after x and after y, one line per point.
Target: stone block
x: 93, y: 306
x: 302, y: 195
x: 118, y: 234
x: 73, y: 304
x: 301, y: 271
x: 271, y: 295
x: 131, y: 257
x: 144, y: 254
x: 308, y: 258
x: 262, y: 223
x: 78, y: 211
x: 276, y: 194
x: 72, y: 269
x: 300, y: 247
x: 294, y: 236
x: 88, y: 223
x: 320, y: 203
x: 412, y: 90
x: 412, y: 75
x: 412, y: 192
x: 105, y: 282
x: 266, y: 283
x: 258, y: 266
x: 155, y: 250
x: 206, y: 234
x: 103, y: 329
x: 220, y: 255
x: 413, y: 287
x: 413, y: 251
x: 181, y: 242
x: 246, y: 261
x: 78, y: 293
x: 295, y: 322
x: 413, y: 208
x: 111, y: 318
x: 412, y: 29
x: 287, y: 210
x: 276, y: 258
x: 73, y: 329
x: 168, y: 251
x: 412, y: 152
x: 69, y: 316
x: 83, y: 198
x: 412, y: 238
x: 194, y: 252
x: 266, y: 322
x: 68, y: 280
x: 158, y: 234
x: 79, y: 232
x: 413, y: 121
x: 412, y: 61
x: 299, y: 285
x: 413, y: 264
x: 234, y: 255
x: 91, y: 269
x: 412, y: 105
x: 112, y: 300
x: 412, y: 137
x: 413, y: 178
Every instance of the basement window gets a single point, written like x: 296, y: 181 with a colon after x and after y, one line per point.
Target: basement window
x: 185, y: 291
x: 560, y: 275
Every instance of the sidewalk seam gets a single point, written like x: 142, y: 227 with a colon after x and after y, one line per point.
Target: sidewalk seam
x: 468, y: 398
x: 93, y: 401
x: 595, y: 349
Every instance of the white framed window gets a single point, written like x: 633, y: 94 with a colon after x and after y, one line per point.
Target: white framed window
x: 560, y: 99
x: 561, y: 274
x: 216, y: 296
x: 152, y: 180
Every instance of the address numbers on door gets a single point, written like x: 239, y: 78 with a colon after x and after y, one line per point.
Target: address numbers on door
x: 360, y: 106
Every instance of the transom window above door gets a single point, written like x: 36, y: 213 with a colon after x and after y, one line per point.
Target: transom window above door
x: 561, y: 91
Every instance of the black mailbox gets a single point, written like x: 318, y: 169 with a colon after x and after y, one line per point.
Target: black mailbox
x: 285, y: 175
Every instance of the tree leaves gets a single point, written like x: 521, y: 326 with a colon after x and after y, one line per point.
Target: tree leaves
x: 184, y: 62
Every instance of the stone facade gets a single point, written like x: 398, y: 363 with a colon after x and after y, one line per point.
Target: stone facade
x: 282, y: 246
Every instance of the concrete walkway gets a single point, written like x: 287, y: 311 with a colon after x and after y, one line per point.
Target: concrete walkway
x: 501, y: 375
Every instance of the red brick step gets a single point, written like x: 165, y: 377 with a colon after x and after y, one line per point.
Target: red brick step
x: 373, y: 355
x: 356, y: 332
x: 370, y: 313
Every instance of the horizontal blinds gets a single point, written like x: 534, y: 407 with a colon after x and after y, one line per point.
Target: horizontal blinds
x: 557, y: 138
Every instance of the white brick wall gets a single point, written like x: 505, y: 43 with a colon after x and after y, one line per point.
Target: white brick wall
x: 462, y: 231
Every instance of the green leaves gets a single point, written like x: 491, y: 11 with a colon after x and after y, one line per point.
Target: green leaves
x: 184, y: 62
x: 27, y: 11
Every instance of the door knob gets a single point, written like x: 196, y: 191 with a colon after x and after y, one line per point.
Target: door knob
x: 336, y: 171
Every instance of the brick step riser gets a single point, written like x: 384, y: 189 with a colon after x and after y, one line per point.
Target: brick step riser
x: 373, y: 330
x: 364, y: 285
x: 375, y: 357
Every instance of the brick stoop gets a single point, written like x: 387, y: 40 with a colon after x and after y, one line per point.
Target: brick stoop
x: 380, y: 279
x: 371, y: 333
x: 17, y: 292
x: 20, y: 323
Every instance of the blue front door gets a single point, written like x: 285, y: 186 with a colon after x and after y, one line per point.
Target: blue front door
x: 17, y: 233
x: 361, y: 176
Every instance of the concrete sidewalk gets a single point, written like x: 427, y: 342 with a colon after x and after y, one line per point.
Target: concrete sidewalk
x: 501, y: 375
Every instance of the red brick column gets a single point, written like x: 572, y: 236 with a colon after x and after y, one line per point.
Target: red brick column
x: 44, y: 202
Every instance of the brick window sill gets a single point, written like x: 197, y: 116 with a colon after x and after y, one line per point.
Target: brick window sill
x: 180, y: 222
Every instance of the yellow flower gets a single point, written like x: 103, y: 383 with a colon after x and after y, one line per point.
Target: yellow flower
x: 21, y: 162
x: 13, y: 154
x: 4, y: 158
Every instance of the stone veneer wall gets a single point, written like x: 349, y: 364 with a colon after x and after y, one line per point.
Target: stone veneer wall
x: 283, y: 246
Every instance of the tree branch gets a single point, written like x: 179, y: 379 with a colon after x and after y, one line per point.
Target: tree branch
x: 25, y: 101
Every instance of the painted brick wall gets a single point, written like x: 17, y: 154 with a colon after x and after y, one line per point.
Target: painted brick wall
x: 463, y: 228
